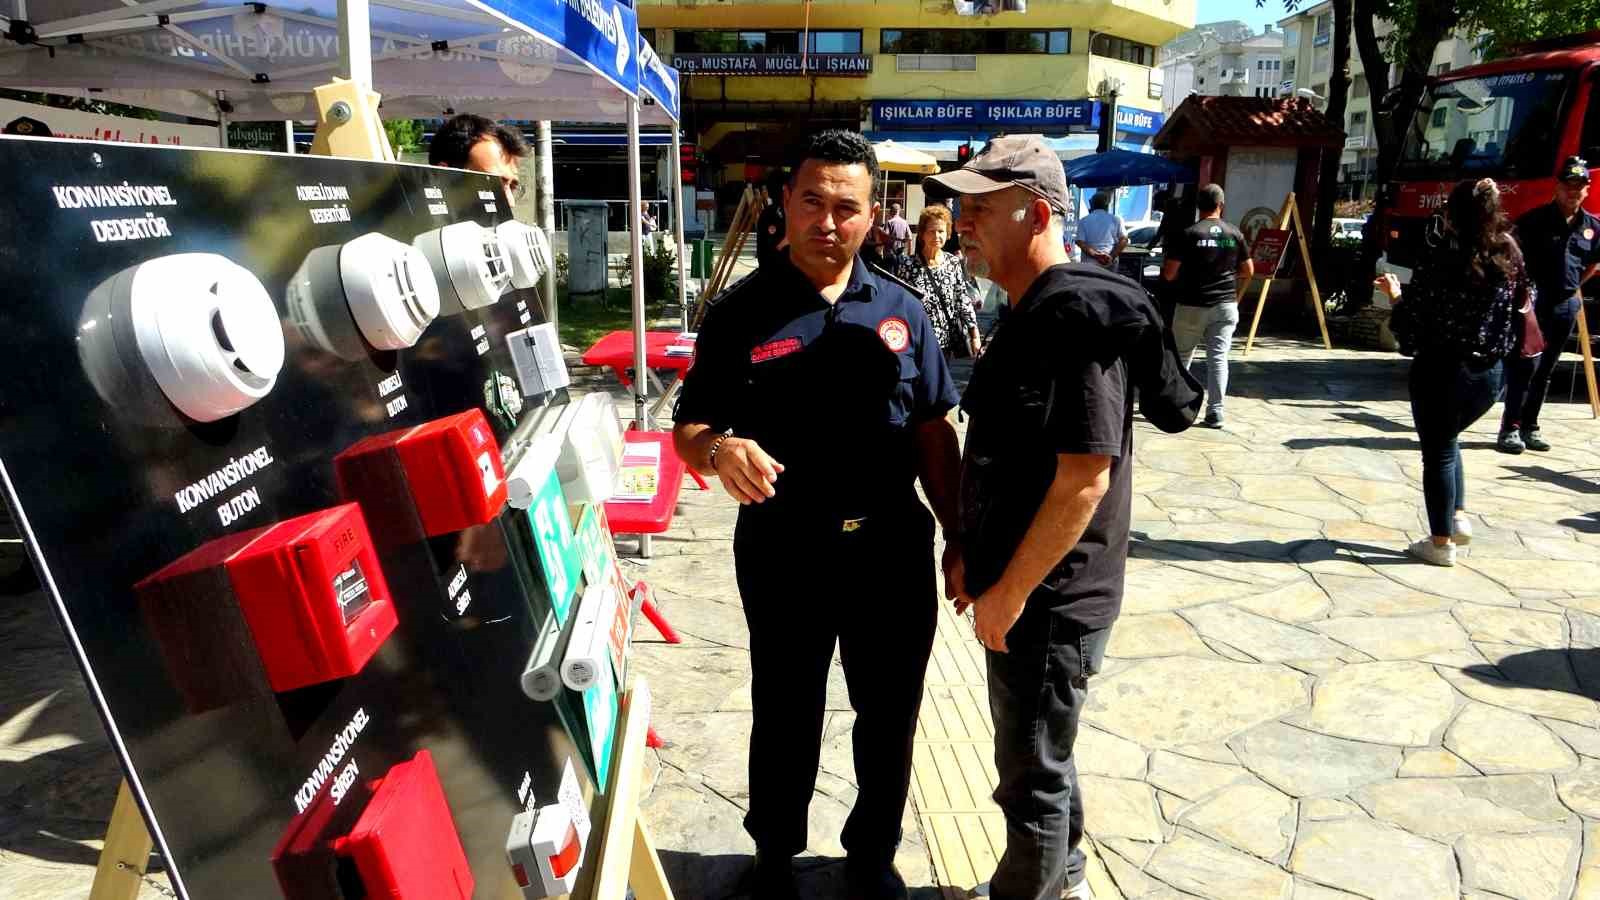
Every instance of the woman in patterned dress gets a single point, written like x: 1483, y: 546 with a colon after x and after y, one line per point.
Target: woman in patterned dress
x: 942, y: 279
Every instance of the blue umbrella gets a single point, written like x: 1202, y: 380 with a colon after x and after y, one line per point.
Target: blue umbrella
x: 1120, y: 168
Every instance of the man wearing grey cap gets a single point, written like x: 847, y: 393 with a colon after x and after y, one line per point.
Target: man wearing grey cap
x: 1561, y: 246
x: 1046, y: 490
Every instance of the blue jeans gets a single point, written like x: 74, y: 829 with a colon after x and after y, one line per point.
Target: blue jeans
x: 1447, y: 396
x: 1528, y: 380
x: 1037, y: 691
x: 1213, y: 326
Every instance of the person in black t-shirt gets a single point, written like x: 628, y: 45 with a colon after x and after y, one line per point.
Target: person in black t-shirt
x: 1046, y: 493
x: 1209, y: 266
x: 771, y: 235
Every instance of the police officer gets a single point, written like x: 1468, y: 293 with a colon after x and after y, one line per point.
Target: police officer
x: 818, y: 395
x: 1561, y: 243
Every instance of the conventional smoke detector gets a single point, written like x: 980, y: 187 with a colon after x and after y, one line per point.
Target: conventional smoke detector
x: 198, y: 324
x: 373, y: 287
x: 529, y: 252
x: 469, y: 263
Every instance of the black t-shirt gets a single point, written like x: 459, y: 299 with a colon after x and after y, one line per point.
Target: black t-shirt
x: 1051, y: 382
x: 831, y: 391
x: 1211, y: 251
x: 1557, y: 251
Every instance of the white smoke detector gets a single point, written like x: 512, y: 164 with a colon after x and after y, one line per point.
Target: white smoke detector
x: 373, y: 287
x: 529, y: 252
x: 469, y: 263
x: 201, y: 326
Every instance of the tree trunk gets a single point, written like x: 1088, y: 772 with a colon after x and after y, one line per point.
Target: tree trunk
x: 1395, y: 107
x: 1328, y: 178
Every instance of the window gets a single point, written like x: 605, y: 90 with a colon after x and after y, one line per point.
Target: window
x: 649, y: 34
x: 1439, y: 116
x: 1288, y: 71
x: 776, y: 41
x: 1358, y: 86
x: 1589, y: 145
x: 1441, y: 68
x: 975, y: 40
x: 1321, y: 59
x: 1324, y: 32
x: 1113, y: 47
x: 1358, y: 122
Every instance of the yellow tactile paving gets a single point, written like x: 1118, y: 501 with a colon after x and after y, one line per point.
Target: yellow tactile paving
x: 953, y: 775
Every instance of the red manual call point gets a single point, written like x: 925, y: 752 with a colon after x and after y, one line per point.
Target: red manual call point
x: 405, y: 845
x: 452, y: 466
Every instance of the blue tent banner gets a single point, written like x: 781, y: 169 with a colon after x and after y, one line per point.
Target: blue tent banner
x: 658, y: 79
x: 600, y: 32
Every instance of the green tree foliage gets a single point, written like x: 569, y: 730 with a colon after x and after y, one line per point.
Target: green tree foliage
x: 405, y: 135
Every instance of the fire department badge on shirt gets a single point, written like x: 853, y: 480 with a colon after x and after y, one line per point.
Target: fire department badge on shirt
x: 896, y: 334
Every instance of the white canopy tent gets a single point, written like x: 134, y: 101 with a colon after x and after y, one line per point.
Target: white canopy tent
x: 259, y: 60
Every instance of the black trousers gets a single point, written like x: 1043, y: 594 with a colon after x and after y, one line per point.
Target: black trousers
x: 807, y: 585
x: 1037, y: 691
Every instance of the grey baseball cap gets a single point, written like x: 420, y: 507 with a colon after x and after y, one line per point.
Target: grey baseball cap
x: 1021, y: 160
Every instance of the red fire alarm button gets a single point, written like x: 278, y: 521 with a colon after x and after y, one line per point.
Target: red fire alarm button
x: 314, y: 597
x: 452, y: 466
x: 405, y: 845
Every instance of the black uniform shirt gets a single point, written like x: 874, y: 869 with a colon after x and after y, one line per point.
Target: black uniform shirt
x: 831, y: 391
x: 1557, y: 252
x: 1052, y: 381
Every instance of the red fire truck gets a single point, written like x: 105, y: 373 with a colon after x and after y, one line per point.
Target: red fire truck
x: 1513, y: 120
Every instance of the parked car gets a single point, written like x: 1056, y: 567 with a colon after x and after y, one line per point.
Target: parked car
x: 1348, y: 230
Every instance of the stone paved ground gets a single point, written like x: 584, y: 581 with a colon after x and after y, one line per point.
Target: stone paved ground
x: 1291, y: 708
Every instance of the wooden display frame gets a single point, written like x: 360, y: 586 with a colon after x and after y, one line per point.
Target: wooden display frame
x: 1291, y: 216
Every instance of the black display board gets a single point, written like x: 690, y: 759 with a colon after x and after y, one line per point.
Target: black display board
x: 104, y: 489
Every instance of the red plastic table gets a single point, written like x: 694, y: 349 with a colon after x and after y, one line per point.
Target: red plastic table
x: 615, y: 351
x: 655, y: 515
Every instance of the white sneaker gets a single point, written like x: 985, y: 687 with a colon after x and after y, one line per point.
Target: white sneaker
x: 1433, y: 554
x: 1079, y: 891
x: 1462, y: 529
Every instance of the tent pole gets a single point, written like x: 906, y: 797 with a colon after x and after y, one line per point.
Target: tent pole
x: 677, y: 194
x: 544, y: 209
x: 222, y: 119
x: 355, y: 42
x: 641, y: 374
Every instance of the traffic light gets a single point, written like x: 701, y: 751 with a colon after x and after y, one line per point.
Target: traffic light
x: 964, y: 153
x: 688, y: 155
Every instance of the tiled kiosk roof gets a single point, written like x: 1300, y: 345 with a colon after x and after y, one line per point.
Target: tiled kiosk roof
x: 1201, y: 122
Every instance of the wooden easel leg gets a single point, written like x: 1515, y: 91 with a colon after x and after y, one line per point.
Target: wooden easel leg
x: 1588, y: 361
x: 127, y: 851
x: 1311, y: 275
x: 645, y: 875
x: 1255, y: 321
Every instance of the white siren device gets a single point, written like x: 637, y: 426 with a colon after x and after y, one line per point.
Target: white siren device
x: 202, y: 326
x: 469, y: 264
x: 529, y: 252
x: 376, y: 285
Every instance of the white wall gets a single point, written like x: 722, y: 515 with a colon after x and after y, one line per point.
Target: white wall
x: 71, y: 123
x: 1260, y: 177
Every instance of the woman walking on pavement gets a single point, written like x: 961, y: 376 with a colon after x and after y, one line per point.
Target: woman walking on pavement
x: 942, y: 279
x: 1459, y: 318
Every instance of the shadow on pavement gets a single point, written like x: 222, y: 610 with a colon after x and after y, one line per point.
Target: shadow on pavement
x: 1376, y: 422
x: 1587, y: 524
x: 1363, y: 378
x: 724, y: 877
x: 1310, y: 550
x: 1375, y: 443
x: 1574, y: 671
x: 1570, y: 481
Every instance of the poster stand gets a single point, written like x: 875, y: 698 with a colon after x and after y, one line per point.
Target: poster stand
x: 627, y: 858
x: 1290, y: 216
x: 1585, y: 346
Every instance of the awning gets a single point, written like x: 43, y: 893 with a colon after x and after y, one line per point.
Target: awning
x: 893, y: 157
x: 943, y: 146
x: 1121, y: 168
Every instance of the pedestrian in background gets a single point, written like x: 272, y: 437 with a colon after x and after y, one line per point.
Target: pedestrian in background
x: 1102, y: 235
x: 1459, y: 319
x: 942, y: 279
x: 1561, y: 243
x: 771, y: 232
x: 1207, y: 268
x: 896, y: 240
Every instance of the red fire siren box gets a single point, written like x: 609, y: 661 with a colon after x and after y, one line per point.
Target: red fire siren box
x: 452, y: 466
x: 405, y: 845
x: 308, y: 590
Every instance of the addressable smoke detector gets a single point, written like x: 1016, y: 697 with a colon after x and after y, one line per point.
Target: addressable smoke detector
x: 373, y: 287
x: 198, y: 324
x: 469, y: 263
x: 529, y: 252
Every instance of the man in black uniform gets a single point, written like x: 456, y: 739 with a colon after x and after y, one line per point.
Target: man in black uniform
x: 818, y: 395
x: 1046, y: 492
x: 1561, y: 245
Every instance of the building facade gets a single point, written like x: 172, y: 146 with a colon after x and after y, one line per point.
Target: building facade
x: 933, y: 75
x: 1222, y: 59
x: 1308, y: 64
